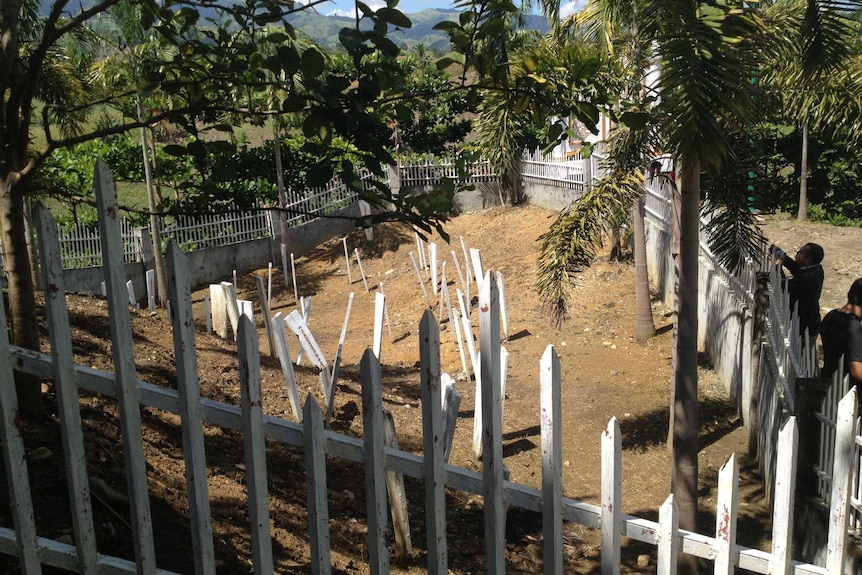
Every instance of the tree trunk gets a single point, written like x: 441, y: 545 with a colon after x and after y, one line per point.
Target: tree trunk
x: 22, y: 297
x: 685, y: 408
x: 802, y: 214
x: 644, y: 324
x: 154, y: 206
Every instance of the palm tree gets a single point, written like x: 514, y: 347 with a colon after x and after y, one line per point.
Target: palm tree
x: 704, y: 53
x: 813, y: 71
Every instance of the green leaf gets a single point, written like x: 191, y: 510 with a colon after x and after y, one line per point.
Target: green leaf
x: 312, y: 64
x: 351, y: 38
x: 635, y: 120
x: 394, y: 17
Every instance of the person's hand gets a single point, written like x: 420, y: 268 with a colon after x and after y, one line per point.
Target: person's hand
x: 779, y: 254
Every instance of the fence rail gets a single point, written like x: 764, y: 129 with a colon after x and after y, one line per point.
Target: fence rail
x: 81, y: 245
x: 568, y: 173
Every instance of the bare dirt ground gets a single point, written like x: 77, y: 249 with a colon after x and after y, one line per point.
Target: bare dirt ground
x: 605, y: 374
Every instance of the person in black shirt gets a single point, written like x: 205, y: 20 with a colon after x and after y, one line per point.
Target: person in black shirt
x: 805, y: 286
x: 841, y: 332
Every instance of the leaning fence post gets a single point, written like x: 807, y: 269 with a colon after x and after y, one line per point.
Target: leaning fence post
x: 668, y: 538
x: 254, y: 443
x: 842, y: 472
x: 492, y: 428
x: 397, y: 493
x: 188, y: 389
x: 726, y: 510
x: 612, y: 517
x: 66, y: 388
x: 552, y: 459
x: 784, y: 497
x: 375, y: 463
x: 315, y: 466
x: 433, y: 438
x: 126, y: 383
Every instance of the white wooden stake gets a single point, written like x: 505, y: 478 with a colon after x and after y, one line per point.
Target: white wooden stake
x: 386, y: 314
x: 552, y: 461
x: 283, y: 352
x: 151, y: 289
x: 421, y: 281
x: 361, y: 268
x: 293, y: 274
x: 208, y: 314
x: 347, y: 259
x: 432, y: 252
x: 133, y: 301
x: 269, y: 287
x: 379, y: 306
x: 467, y: 268
x: 465, y: 285
x: 504, y: 313
x: 420, y: 249
x: 284, y: 265
x: 478, y: 272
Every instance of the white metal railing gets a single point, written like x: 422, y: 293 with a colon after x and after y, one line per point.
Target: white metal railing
x: 430, y: 170
x: 306, y: 205
x: 82, y: 248
x: 231, y: 226
x: 569, y: 173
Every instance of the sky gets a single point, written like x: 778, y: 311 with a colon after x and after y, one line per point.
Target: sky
x: 346, y: 7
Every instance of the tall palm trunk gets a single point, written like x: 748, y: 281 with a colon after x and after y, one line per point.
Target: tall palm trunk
x: 644, y: 324
x: 685, y: 407
x: 22, y: 298
x: 802, y: 214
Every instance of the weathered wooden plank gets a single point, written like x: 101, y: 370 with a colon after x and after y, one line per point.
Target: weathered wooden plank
x: 451, y: 405
x: 468, y: 267
x: 231, y: 306
x: 478, y: 271
x: 251, y: 402
x: 315, y: 469
x: 375, y: 482
x: 432, y: 253
x: 188, y: 389
x: 421, y: 281
x: 23, y: 538
x: 286, y: 361
x: 347, y: 259
x: 492, y: 425
x: 397, y: 493
x: 219, y: 310
x: 124, y: 368
x: 504, y: 310
x: 725, y: 517
x: 552, y: 462
x: 784, y: 498
x: 386, y: 313
x: 299, y: 326
x: 668, y: 545
x: 842, y: 472
x: 612, y: 516
x: 66, y: 390
x: 462, y: 282
x: 361, y: 268
x: 379, y: 306
x: 264, y: 309
x: 433, y: 441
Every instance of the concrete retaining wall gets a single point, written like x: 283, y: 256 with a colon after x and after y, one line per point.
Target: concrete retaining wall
x: 215, y: 264
x: 549, y: 197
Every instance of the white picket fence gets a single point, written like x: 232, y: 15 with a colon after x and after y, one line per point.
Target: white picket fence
x: 34, y: 550
x: 430, y: 170
x: 225, y: 227
x: 81, y: 246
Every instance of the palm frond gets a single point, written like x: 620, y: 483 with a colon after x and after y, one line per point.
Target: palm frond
x: 570, y: 245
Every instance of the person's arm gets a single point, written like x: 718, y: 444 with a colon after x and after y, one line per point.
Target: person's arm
x: 790, y: 264
x: 856, y: 370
